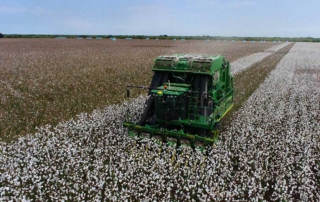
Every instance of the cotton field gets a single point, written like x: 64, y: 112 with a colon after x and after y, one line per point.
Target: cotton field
x: 45, y: 81
x: 270, y: 151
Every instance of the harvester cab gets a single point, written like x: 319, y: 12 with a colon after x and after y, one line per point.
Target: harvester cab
x: 188, y: 97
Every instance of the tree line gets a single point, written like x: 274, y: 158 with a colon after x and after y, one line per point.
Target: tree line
x: 164, y: 36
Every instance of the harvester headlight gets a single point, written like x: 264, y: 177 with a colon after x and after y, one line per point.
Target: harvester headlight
x: 159, y: 92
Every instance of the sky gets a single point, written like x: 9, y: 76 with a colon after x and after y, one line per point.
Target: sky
x: 264, y: 18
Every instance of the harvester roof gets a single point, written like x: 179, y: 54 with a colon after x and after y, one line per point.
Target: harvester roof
x: 198, y: 64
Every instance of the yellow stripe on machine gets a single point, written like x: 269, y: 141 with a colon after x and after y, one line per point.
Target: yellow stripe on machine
x: 225, y: 113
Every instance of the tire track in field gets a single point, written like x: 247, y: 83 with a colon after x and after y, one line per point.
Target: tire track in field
x: 248, y: 80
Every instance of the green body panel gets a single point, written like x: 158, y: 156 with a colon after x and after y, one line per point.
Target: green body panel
x: 171, y: 89
x: 189, y: 96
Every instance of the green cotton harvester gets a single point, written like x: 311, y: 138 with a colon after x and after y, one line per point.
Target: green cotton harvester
x: 188, y: 97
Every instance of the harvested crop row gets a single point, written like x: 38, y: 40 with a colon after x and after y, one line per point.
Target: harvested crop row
x: 245, y: 62
x: 247, y: 81
x: 92, y: 158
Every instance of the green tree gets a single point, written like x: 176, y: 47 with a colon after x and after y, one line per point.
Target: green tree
x: 1, y: 35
